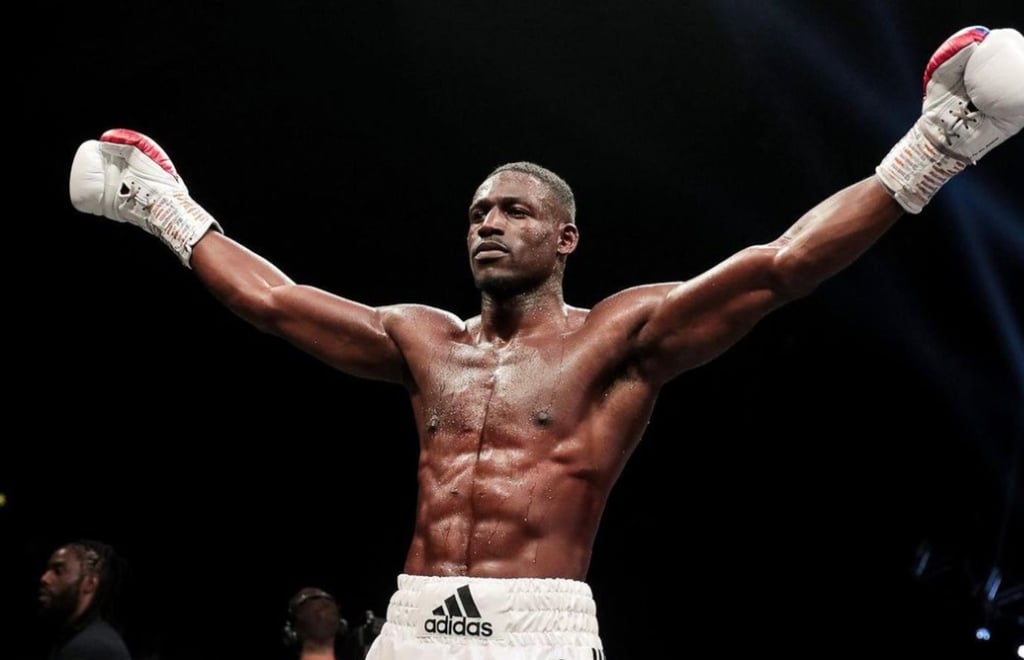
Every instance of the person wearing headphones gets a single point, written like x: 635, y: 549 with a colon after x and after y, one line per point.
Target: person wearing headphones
x: 314, y: 624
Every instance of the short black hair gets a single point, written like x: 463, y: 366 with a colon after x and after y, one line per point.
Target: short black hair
x: 556, y: 184
x: 314, y: 617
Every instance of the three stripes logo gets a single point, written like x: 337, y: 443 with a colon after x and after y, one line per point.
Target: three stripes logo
x: 458, y: 615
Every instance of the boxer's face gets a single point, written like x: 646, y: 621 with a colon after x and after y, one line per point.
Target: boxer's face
x: 516, y: 239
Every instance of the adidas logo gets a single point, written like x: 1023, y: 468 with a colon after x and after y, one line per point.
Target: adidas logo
x: 458, y: 615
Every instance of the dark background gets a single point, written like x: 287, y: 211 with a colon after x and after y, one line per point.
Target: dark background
x: 783, y: 492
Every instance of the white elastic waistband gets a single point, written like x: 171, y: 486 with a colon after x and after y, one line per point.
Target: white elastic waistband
x: 519, y: 611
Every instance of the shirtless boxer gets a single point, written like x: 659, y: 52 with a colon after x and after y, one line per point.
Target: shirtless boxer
x: 528, y: 412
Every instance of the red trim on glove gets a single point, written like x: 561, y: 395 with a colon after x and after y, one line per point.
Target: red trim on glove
x: 953, y: 45
x: 143, y: 143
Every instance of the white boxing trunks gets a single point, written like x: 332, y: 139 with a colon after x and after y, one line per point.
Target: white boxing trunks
x: 465, y: 618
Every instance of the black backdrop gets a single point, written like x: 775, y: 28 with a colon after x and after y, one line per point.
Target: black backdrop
x: 782, y: 492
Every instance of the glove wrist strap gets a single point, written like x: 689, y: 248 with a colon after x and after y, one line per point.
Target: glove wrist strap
x: 180, y: 222
x: 914, y: 170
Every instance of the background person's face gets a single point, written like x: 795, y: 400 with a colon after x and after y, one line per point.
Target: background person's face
x: 60, y: 585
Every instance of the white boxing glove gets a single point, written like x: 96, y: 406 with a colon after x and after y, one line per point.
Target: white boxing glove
x: 973, y: 101
x: 127, y: 177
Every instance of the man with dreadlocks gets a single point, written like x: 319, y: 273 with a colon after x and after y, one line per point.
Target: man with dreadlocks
x: 75, y: 595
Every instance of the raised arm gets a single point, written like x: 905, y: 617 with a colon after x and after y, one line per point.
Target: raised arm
x: 350, y: 336
x: 127, y: 177
x: 699, y: 319
x: 974, y: 100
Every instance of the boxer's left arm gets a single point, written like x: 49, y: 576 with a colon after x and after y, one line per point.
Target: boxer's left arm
x: 699, y: 319
x: 974, y: 101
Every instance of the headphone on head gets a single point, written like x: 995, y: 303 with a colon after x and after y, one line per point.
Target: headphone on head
x: 289, y: 635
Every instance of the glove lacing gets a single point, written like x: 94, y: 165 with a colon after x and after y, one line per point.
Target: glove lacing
x: 963, y: 115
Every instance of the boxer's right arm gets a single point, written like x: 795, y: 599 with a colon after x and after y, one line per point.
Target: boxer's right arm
x: 350, y: 336
x: 127, y: 177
